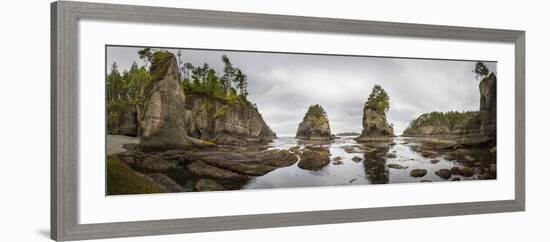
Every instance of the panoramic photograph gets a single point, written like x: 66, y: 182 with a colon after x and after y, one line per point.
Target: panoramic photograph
x: 194, y: 120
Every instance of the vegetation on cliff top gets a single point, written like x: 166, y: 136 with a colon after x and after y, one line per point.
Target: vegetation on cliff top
x: 378, y: 100
x: 130, y: 86
x: 316, y: 111
x: 449, y: 119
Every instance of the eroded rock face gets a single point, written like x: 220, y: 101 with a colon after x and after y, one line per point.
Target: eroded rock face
x: 215, y: 120
x: 375, y: 124
x: 123, y: 120
x: 488, y: 105
x: 163, y: 121
x: 315, y: 125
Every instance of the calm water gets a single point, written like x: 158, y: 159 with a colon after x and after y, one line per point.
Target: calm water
x: 369, y: 170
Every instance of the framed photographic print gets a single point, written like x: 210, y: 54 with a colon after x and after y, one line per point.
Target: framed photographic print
x: 170, y: 120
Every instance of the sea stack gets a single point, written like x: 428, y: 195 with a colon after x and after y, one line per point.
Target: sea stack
x: 163, y: 119
x: 315, y: 125
x: 375, y: 124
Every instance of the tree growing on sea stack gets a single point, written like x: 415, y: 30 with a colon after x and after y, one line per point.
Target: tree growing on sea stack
x: 315, y: 125
x: 375, y: 123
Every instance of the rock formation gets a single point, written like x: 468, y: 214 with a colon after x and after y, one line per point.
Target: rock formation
x: 164, y: 117
x: 375, y: 124
x: 215, y: 120
x: 123, y: 119
x: 315, y: 125
x: 473, y: 127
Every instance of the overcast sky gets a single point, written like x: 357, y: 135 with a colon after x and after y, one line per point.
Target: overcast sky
x: 283, y: 86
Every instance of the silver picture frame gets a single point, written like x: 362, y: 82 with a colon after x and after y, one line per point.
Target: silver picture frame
x: 65, y: 16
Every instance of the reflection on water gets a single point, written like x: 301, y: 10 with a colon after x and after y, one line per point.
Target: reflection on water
x: 354, y: 163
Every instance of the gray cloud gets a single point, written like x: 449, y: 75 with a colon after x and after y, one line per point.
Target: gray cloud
x: 284, y: 85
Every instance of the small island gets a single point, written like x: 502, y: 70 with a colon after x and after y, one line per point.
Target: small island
x: 315, y: 125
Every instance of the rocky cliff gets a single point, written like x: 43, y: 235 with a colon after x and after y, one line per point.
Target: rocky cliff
x: 315, y: 125
x: 215, y: 120
x: 173, y: 120
x: 375, y: 124
x: 123, y: 119
x: 468, y: 128
x: 164, y: 118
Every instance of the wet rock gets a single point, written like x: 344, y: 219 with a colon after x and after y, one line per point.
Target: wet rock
x: 434, y: 161
x: 166, y: 183
x: 444, y: 173
x: 467, y: 172
x: 418, y: 172
x: 455, y: 179
x: 121, y: 179
x: 338, y: 158
x: 390, y: 155
x: 397, y: 166
x: 208, y: 185
x: 493, y: 150
x: 338, y: 162
x: 455, y: 170
x: 425, y: 181
x: 153, y: 163
x: 460, y: 154
x: 245, y: 168
x: 294, y: 149
x: 357, y: 159
x: 200, y: 168
x: 429, y: 153
x: 314, y: 160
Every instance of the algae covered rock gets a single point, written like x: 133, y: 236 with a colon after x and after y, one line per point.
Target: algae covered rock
x: 121, y: 179
x: 314, y: 160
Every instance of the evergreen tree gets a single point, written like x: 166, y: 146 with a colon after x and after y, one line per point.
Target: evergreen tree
x: 378, y: 100
x: 481, y: 71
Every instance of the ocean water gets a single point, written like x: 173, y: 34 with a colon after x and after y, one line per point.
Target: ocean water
x: 370, y: 170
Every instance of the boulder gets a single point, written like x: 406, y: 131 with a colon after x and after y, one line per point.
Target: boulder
x: 396, y: 166
x: 467, y: 172
x: 315, y: 125
x: 357, y: 159
x: 200, y: 168
x: 152, y: 163
x: 455, y: 170
x: 418, y: 172
x: 208, y: 185
x: 165, y: 183
x: 121, y: 179
x: 444, y: 173
x: 314, y: 160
